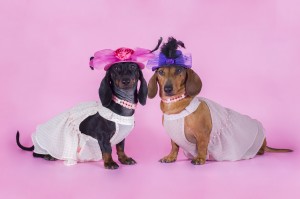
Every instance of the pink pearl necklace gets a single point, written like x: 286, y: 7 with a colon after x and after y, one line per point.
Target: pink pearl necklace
x: 174, y: 99
x: 123, y: 103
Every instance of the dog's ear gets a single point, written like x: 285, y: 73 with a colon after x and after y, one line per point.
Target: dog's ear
x: 105, y: 92
x: 193, y: 83
x: 152, y: 86
x: 142, y: 93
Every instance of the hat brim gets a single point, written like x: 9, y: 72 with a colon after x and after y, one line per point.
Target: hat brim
x: 140, y: 64
x: 157, y: 67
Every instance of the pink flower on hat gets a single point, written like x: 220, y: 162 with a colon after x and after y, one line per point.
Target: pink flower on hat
x: 123, y: 53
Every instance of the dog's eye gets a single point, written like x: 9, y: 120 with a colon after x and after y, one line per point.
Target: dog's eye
x: 161, y: 72
x: 118, y: 68
x: 132, y: 67
x: 178, y: 70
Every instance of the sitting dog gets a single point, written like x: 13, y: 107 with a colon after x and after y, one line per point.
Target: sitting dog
x: 204, y: 129
x: 87, y: 131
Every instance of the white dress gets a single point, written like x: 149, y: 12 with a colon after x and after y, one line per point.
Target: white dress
x: 233, y: 136
x: 61, y: 138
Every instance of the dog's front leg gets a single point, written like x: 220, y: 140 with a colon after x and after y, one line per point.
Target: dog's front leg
x: 202, y: 141
x: 109, y: 163
x: 173, y: 154
x: 122, y: 157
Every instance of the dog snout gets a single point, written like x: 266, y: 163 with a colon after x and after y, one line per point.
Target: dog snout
x: 125, y: 81
x: 168, y: 88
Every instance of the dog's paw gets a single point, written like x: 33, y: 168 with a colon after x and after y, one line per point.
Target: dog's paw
x: 168, y: 159
x: 111, y: 165
x: 127, y: 161
x: 49, y: 158
x: 198, y: 161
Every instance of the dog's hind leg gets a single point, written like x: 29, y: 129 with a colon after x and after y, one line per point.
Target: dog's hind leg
x: 262, y: 148
x: 122, y: 157
x: 44, y: 156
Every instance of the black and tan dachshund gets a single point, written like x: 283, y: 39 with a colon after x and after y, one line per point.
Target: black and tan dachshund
x: 121, y: 80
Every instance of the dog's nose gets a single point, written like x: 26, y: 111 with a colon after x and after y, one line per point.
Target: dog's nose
x: 125, y: 81
x: 168, y: 88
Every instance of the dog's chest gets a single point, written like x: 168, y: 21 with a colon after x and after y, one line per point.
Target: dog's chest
x: 175, y: 127
x: 122, y: 132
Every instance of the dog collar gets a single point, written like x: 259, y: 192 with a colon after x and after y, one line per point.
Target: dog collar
x: 174, y: 99
x: 124, y: 103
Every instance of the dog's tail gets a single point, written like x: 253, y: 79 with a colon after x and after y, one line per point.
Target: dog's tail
x: 20, y: 145
x: 273, y: 150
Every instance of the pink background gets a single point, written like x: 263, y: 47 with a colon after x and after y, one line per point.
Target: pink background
x: 246, y: 52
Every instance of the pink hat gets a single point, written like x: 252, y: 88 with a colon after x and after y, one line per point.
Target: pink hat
x: 107, y: 57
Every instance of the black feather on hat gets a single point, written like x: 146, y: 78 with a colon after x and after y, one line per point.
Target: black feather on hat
x: 169, y: 48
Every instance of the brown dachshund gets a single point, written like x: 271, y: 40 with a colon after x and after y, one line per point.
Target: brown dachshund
x: 176, y: 82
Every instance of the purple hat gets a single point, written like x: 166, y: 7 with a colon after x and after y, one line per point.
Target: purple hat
x: 160, y: 60
x: 170, y: 56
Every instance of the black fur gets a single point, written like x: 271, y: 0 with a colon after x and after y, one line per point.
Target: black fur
x: 120, y: 80
x: 105, y: 90
x: 91, y: 58
x: 21, y: 146
x: 143, y: 91
x: 46, y: 157
x: 169, y: 48
x: 102, y: 129
x: 157, y: 46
